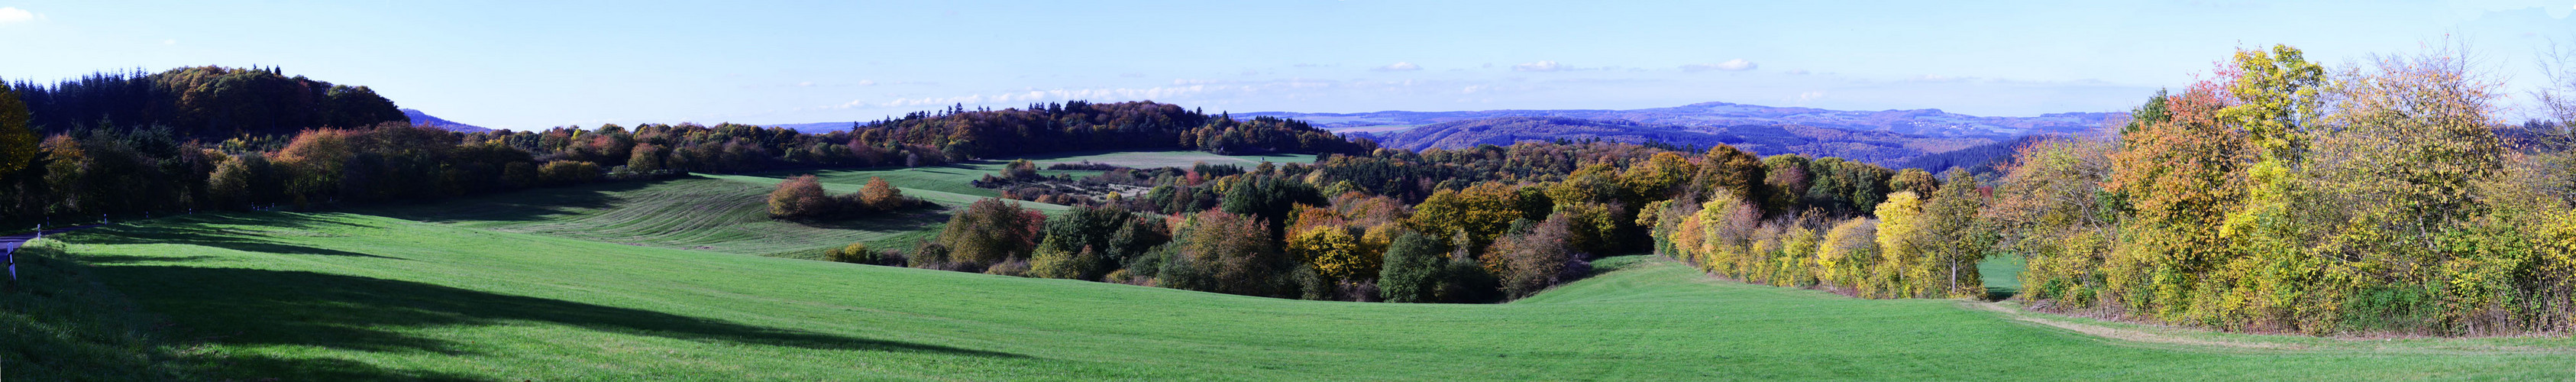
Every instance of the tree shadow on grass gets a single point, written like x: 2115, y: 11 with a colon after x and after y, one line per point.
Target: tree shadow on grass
x: 897, y: 221
x: 269, y: 307
x: 516, y: 206
x: 206, y: 230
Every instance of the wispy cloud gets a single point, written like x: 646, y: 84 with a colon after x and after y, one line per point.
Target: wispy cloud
x: 13, y: 15
x: 1730, y: 65
x: 1541, y: 66
x: 1398, y: 67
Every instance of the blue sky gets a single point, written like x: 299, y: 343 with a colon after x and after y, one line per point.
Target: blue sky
x: 521, y: 65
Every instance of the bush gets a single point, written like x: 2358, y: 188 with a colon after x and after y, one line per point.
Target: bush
x: 563, y: 173
x: 799, y: 197
x: 1236, y: 253
x: 1055, y: 264
x: 991, y: 231
x: 858, y: 253
x: 1013, y: 268
x: 930, y: 255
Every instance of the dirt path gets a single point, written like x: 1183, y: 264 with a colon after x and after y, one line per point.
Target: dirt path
x: 2124, y: 334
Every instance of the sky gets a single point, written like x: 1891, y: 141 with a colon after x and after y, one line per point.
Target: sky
x: 530, y: 65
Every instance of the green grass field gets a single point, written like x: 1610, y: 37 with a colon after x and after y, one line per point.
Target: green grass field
x: 727, y: 213
x: 338, y: 296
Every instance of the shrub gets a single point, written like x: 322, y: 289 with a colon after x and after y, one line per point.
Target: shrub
x: 881, y: 196
x: 991, y: 231
x: 561, y: 173
x: 1235, y: 253
x: 1056, y: 264
x: 930, y: 255
x: 1013, y: 268
x: 799, y: 197
x: 855, y: 253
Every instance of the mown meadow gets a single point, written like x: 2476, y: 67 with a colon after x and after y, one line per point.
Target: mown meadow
x: 339, y: 296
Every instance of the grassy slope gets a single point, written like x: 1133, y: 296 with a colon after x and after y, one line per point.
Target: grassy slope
x: 340, y: 296
x: 726, y: 213
x: 720, y: 213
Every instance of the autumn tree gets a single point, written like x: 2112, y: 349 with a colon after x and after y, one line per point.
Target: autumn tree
x: 2050, y: 206
x: 990, y: 231
x: 1528, y: 262
x: 1482, y: 212
x: 1229, y: 253
x: 1334, y: 253
x: 1900, y: 271
x: 17, y: 133
x: 799, y: 197
x: 881, y: 196
x: 1729, y: 172
x: 1913, y: 180
x: 1954, y: 240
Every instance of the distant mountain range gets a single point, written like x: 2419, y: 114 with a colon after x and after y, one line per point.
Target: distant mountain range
x: 424, y: 119
x: 1923, y: 122
x: 1878, y: 147
x: 1894, y: 138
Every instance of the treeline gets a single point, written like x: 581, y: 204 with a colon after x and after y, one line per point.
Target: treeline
x: 2286, y: 195
x: 1080, y: 125
x: 205, y: 101
x: 1489, y: 223
x: 212, y: 138
x: 2281, y: 196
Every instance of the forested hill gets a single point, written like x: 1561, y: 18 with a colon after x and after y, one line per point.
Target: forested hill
x: 1877, y: 147
x: 205, y: 101
x: 1079, y: 125
x: 1926, y: 122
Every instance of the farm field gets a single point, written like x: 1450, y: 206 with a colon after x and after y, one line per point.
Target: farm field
x: 352, y: 296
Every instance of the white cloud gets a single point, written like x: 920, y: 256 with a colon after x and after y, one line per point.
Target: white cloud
x: 170, y: 42
x: 1541, y: 66
x: 13, y: 15
x: 1810, y: 96
x: 1730, y: 65
x: 806, y: 83
x: 1398, y: 67
x: 867, y: 82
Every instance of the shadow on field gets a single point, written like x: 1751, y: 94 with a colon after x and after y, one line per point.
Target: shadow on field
x: 916, y: 219
x: 517, y: 206
x: 216, y: 236
x: 269, y: 307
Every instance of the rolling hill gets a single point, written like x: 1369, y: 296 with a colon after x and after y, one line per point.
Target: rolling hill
x: 1878, y: 147
x: 1924, y: 122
